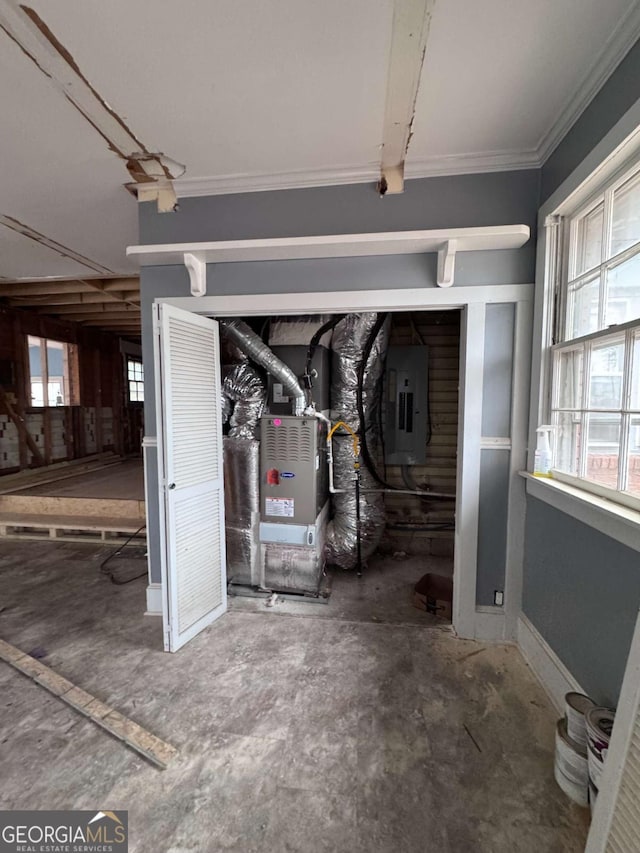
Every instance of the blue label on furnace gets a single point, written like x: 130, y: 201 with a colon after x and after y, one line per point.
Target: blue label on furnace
x: 288, y: 475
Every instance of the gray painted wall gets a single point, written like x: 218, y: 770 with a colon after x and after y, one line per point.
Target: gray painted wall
x: 618, y: 94
x: 469, y: 200
x: 493, y: 516
x: 498, y: 198
x: 582, y: 593
x: 497, y: 371
x: 582, y: 589
x: 494, y: 464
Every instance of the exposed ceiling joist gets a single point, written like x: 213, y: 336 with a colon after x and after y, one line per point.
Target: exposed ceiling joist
x: 54, y: 299
x: 45, y: 289
x: 92, y: 308
x: 411, y: 21
x: 110, y: 285
x: 105, y: 317
x: 129, y: 328
x: 73, y: 293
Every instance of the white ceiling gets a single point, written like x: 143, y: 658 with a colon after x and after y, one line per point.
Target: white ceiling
x: 277, y: 93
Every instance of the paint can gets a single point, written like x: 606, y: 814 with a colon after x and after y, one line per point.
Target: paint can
x: 571, y: 768
x: 576, y: 706
x: 599, y: 723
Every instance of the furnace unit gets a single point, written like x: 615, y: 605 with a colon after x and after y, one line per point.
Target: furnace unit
x: 293, y: 478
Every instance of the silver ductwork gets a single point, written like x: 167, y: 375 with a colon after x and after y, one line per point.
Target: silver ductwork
x: 245, y: 395
x: 242, y: 509
x: 251, y: 344
x: 349, y: 340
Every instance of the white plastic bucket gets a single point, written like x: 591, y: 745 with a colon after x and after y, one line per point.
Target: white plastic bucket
x: 599, y: 725
x: 571, y: 768
x: 576, y: 706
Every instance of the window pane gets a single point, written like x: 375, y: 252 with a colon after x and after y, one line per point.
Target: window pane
x: 623, y: 296
x: 633, y: 462
x: 569, y: 391
x: 605, y: 381
x: 568, y: 441
x: 626, y: 217
x: 589, y: 240
x: 56, y: 369
x: 584, y: 301
x: 603, y: 449
x: 35, y: 371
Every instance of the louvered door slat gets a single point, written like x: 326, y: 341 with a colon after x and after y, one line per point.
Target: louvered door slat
x: 194, y: 570
x: 625, y: 824
x: 615, y: 827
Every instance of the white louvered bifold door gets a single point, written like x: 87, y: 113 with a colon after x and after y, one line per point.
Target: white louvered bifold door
x: 615, y: 827
x: 194, y: 555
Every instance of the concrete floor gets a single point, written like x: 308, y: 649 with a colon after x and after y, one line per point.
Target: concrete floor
x: 123, y: 481
x: 384, y: 593
x: 296, y: 733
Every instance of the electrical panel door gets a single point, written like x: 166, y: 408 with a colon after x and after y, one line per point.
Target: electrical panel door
x: 407, y: 405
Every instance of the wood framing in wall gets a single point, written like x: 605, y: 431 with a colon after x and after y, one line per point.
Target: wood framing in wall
x: 92, y: 418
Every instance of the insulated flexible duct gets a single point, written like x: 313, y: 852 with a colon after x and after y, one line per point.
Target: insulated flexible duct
x: 349, y: 339
x: 250, y: 343
x: 246, y: 394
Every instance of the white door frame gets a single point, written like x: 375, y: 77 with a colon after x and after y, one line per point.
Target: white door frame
x: 468, y: 621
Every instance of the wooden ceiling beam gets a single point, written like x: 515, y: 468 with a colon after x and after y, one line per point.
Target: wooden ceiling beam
x: 118, y: 284
x: 106, y: 320
x: 44, y: 288
x: 89, y: 298
x: 91, y: 308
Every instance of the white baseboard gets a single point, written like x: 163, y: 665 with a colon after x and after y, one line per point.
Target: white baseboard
x: 545, y: 663
x: 154, y: 600
x: 490, y: 625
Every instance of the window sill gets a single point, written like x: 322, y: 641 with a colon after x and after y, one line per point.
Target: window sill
x: 618, y: 522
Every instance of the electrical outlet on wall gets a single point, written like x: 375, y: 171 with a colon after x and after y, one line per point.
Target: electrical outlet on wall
x: 498, y: 598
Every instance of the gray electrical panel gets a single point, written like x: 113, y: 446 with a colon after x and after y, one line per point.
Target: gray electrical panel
x: 407, y: 405
x: 293, y: 469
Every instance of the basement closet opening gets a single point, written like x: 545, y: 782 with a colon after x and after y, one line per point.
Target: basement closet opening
x: 340, y: 463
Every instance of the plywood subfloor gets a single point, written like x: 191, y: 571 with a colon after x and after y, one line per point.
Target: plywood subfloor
x: 123, y: 481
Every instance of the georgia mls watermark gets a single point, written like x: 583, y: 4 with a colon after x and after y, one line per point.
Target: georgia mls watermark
x: 64, y: 832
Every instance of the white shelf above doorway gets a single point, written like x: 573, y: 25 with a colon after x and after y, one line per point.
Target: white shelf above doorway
x: 446, y: 242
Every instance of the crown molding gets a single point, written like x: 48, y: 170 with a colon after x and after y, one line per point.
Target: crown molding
x: 470, y: 164
x: 422, y: 167
x: 265, y: 182
x: 615, y: 49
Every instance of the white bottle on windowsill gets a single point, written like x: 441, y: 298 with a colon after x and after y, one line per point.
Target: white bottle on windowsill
x: 542, y: 461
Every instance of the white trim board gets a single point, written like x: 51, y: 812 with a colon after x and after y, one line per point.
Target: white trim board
x: 486, y: 238
x: 490, y: 625
x: 154, y: 600
x: 545, y: 664
x: 467, y: 620
x: 346, y: 301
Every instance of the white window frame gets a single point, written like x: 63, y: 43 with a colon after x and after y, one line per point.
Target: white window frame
x: 629, y: 332
x: 132, y: 359
x: 594, y: 191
